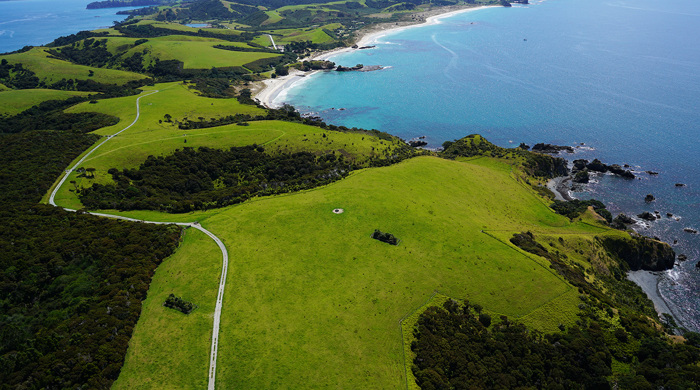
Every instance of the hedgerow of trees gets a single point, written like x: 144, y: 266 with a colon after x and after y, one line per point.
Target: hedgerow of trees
x: 205, y: 178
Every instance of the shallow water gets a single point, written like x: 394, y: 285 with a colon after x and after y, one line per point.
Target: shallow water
x: 621, y: 76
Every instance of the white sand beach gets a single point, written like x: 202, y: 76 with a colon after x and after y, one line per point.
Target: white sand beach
x: 272, y: 88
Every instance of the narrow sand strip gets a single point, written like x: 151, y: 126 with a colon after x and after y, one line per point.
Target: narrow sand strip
x: 273, y: 87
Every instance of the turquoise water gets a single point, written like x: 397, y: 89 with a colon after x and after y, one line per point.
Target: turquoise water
x: 38, y: 22
x: 620, y: 76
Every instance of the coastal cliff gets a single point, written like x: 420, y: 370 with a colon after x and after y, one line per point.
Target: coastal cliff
x: 640, y: 252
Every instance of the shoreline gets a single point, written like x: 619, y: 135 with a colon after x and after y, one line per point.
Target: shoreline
x: 272, y: 88
x: 649, y: 282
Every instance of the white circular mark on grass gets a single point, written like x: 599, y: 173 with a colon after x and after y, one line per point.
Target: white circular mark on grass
x: 338, y: 211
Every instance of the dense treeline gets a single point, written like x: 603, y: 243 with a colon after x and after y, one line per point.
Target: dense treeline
x: 32, y: 160
x: 205, y: 178
x: 456, y: 349
x: 71, y: 284
x: 49, y: 115
x: 71, y: 288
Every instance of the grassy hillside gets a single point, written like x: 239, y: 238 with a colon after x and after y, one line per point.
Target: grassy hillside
x: 170, y: 350
x: 51, y: 70
x: 310, y: 288
x: 15, y: 101
x: 194, y: 52
x: 151, y: 136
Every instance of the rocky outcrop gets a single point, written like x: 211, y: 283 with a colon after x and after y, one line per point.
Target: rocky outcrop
x: 640, y: 252
x: 551, y: 149
x: 581, y: 177
x: 617, y: 170
x: 598, y: 166
x: 649, y: 198
x: 417, y: 144
x: 580, y: 164
x: 647, y: 216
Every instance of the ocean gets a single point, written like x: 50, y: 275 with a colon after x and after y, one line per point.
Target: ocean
x: 38, y: 22
x: 619, y: 79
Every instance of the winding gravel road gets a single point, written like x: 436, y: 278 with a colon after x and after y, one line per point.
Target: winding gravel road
x: 196, y: 225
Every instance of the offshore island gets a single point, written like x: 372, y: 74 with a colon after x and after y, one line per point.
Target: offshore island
x: 165, y: 229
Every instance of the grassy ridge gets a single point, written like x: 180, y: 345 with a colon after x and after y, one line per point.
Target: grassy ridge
x: 15, y: 101
x: 194, y: 52
x: 51, y: 70
x: 309, y: 288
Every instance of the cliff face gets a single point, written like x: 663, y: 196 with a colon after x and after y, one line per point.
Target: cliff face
x: 641, y: 253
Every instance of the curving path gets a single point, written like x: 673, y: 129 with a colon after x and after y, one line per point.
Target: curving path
x: 196, y: 225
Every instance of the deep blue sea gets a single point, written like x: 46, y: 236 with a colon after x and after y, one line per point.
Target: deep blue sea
x: 620, y: 76
x: 38, y: 22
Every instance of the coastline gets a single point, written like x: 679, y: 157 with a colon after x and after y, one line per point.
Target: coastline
x: 272, y: 88
x: 649, y: 282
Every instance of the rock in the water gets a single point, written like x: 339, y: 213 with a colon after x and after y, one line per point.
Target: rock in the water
x: 652, y: 173
x: 669, y: 215
x: 616, y: 169
x: 581, y: 177
x: 597, y: 166
x: 551, y: 149
x: 680, y: 185
x: 682, y: 257
x: 524, y: 146
x: 580, y: 164
x: 627, y: 220
x: 647, y: 216
x: 649, y: 198
x: 690, y: 230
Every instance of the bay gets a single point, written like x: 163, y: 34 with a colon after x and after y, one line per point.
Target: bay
x: 38, y: 22
x: 620, y: 77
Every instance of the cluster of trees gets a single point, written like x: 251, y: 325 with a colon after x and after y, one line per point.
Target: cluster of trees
x: 457, y: 349
x: 314, y: 65
x: 206, y: 178
x: 49, y: 115
x: 303, y: 47
x: 574, y: 208
x: 179, y: 304
x: 17, y: 76
x: 90, y: 52
x: 71, y: 284
x: 385, y: 237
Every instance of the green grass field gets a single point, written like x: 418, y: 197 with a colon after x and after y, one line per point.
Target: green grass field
x: 149, y: 137
x: 15, y: 101
x: 194, y: 52
x: 315, y: 35
x: 170, y: 350
x: 311, y: 300
x: 51, y: 70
